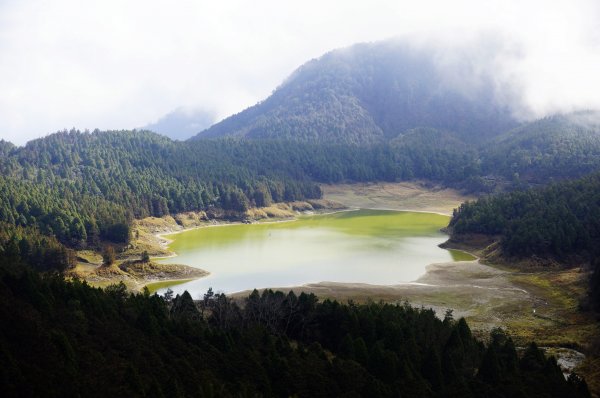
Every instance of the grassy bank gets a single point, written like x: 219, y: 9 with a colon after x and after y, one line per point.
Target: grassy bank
x: 134, y: 274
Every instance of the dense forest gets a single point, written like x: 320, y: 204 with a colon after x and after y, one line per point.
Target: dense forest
x: 556, y: 147
x: 559, y: 220
x: 82, y: 187
x: 62, y: 338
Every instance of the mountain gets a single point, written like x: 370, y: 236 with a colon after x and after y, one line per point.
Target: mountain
x: 372, y: 93
x: 181, y: 123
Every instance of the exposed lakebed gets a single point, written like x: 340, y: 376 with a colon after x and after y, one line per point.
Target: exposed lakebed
x: 360, y: 246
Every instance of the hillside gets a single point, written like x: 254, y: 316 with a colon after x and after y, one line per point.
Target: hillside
x: 371, y: 93
x: 559, y: 220
x: 555, y: 147
x: 82, y: 187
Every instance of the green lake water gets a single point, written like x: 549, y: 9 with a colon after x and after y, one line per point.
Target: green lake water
x: 362, y: 246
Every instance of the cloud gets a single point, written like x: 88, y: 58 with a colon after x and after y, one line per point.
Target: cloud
x: 120, y: 64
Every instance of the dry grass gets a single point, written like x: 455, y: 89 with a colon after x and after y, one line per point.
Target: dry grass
x: 135, y: 274
x: 398, y: 196
x: 320, y: 204
x: 278, y: 211
x: 89, y: 256
x: 191, y: 219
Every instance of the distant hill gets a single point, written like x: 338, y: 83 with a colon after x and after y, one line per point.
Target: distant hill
x: 372, y: 93
x: 181, y: 124
x: 555, y: 147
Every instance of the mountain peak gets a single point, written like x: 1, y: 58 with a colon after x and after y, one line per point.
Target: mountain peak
x: 372, y: 92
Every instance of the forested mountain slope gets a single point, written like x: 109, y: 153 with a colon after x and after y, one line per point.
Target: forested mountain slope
x: 399, y: 99
x: 559, y: 222
x: 559, y: 146
x: 80, y: 187
x: 371, y: 93
x: 85, y: 187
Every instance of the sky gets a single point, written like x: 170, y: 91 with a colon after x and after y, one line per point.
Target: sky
x: 122, y: 64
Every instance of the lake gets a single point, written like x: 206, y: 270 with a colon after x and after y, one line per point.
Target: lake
x: 360, y: 246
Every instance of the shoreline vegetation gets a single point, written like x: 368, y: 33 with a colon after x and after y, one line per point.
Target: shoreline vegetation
x: 148, y: 235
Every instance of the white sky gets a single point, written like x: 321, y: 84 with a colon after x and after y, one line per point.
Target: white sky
x: 113, y: 64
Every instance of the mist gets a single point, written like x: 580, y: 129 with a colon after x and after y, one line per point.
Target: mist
x: 111, y: 65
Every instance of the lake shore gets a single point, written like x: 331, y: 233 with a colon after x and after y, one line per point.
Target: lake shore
x: 135, y: 274
x: 150, y: 233
x: 149, y: 236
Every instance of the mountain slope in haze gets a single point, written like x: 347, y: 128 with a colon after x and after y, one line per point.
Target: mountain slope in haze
x: 555, y: 147
x: 372, y: 93
x: 181, y: 124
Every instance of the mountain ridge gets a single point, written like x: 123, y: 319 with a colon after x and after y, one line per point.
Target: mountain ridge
x: 371, y: 92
